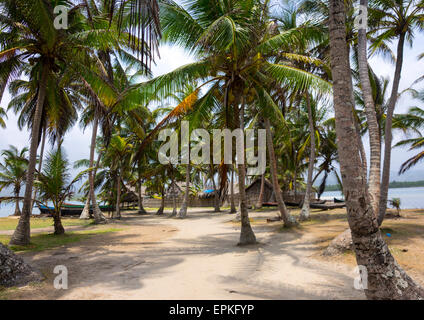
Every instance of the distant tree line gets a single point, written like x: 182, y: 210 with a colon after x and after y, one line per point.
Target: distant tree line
x: 393, y: 185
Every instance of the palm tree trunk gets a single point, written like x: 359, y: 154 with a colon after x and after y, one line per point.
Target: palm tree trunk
x: 305, y: 212
x: 58, y: 227
x: 174, y: 206
x: 118, y: 196
x: 183, y: 211
x: 141, y: 209
x: 288, y: 219
x: 386, y: 280
x: 98, y: 215
x: 388, y: 134
x: 17, y: 209
x: 371, y: 114
x: 247, y: 236
x: 85, y: 214
x: 233, y: 205
x: 364, y: 165
x: 40, y: 165
x: 21, y: 236
x: 260, y: 201
x: 216, y: 194
x: 162, y: 204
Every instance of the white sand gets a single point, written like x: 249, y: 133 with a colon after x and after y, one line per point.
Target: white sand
x: 197, y: 259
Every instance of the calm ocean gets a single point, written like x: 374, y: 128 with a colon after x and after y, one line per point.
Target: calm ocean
x: 411, y: 198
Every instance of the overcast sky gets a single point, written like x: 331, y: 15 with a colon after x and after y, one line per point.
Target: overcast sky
x: 77, y: 142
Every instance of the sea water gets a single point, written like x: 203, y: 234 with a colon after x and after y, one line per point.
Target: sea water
x: 411, y: 198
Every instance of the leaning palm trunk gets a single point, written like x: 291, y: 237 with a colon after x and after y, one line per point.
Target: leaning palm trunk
x: 183, y: 211
x: 174, y: 206
x: 17, y: 209
x: 21, y: 236
x: 216, y: 193
x: 141, y: 209
x: 247, y: 235
x: 118, y: 197
x: 233, y: 205
x: 305, y: 212
x: 40, y: 164
x: 388, y: 134
x: 288, y: 219
x: 386, y: 280
x: 364, y: 165
x: 260, y: 201
x: 162, y: 205
x: 373, y: 127
x: 85, y: 214
x: 98, y: 215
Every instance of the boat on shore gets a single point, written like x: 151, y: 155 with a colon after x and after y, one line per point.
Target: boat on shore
x: 72, y: 209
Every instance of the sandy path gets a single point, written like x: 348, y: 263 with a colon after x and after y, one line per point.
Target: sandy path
x: 194, y: 258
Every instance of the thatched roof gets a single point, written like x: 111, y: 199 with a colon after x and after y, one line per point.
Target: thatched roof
x: 258, y: 181
x: 174, y: 190
x: 129, y: 197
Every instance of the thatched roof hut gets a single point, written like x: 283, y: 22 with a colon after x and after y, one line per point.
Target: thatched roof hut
x: 174, y: 190
x: 254, y: 189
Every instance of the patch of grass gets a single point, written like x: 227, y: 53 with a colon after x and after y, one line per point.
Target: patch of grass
x: 5, y: 292
x: 44, y: 241
x: 38, y: 223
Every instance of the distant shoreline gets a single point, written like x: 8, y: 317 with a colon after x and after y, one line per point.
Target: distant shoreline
x: 393, y: 185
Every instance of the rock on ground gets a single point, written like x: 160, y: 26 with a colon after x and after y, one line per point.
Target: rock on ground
x: 13, y: 270
x: 340, y: 244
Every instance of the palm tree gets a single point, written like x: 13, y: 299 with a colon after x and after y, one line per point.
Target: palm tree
x: 2, y: 117
x: 13, y: 172
x: 117, y: 159
x: 305, y: 214
x: 384, y: 274
x: 287, y: 218
x: 395, y: 203
x: 414, y: 119
x: 54, y: 184
x: 393, y: 20
x: 29, y: 36
x: 131, y: 28
x: 59, y: 110
x: 231, y: 42
x: 370, y: 111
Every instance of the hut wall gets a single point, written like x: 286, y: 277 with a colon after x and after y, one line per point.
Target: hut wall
x: 252, y: 196
x: 169, y: 203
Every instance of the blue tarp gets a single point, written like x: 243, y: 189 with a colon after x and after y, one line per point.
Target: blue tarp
x: 209, y: 191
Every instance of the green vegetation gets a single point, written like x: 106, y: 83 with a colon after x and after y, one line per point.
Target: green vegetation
x: 44, y: 241
x: 38, y: 223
